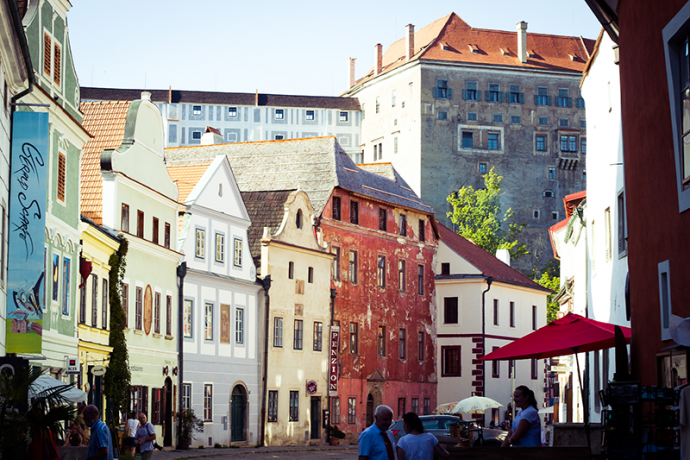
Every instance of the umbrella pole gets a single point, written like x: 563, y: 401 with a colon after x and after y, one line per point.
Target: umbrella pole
x: 584, y: 407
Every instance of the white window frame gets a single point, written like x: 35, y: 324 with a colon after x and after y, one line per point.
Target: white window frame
x: 239, y: 326
x: 344, y: 117
x: 208, y: 321
x: 232, y: 113
x: 199, y: 242
x: 195, y: 112
x: 237, y: 252
x: 310, y: 115
x: 186, y: 396
x: 665, y: 306
x: 279, y: 114
x: 220, y: 248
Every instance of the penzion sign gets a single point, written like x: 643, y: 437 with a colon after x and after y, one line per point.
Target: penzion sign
x: 333, y: 361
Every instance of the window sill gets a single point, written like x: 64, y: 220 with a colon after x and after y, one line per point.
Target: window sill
x: 138, y: 332
x: 168, y: 337
x: 157, y: 334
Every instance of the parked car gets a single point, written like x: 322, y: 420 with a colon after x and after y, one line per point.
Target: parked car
x: 439, y: 426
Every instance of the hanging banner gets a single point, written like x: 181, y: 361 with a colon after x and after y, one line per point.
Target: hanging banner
x: 333, y: 361
x: 26, y: 255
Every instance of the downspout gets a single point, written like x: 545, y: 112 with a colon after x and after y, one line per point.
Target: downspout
x: 267, y: 302
x: 489, y: 280
x: 334, y: 292
x: 181, y: 273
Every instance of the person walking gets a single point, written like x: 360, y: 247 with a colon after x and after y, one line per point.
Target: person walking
x: 132, y: 426
x: 100, y: 442
x: 417, y: 444
x: 526, y: 430
x: 145, y: 436
x: 377, y: 441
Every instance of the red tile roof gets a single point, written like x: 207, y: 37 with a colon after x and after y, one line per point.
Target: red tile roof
x: 186, y: 177
x: 572, y: 201
x: 488, y: 264
x: 452, y: 39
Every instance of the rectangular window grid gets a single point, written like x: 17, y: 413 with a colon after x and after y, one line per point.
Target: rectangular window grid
x: 239, y: 326
x: 294, y: 406
x: 297, y: 343
x: 278, y: 332
x: 318, y: 336
x: 272, y: 406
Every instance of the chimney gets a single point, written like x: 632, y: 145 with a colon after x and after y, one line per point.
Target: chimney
x: 504, y: 256
x: 352, y: 71
x: 211, y: 136
x: 409, y: 41
x: 522, y: 41
x: 169, y: 94
x: 256, y: 98
x: 146, y: 96
x: 378, y: 61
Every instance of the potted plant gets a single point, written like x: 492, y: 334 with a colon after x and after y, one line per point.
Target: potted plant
x: 335, y: 434
x: 188, y: 424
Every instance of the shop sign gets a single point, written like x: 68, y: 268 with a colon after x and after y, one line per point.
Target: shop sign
x: 333, y: 361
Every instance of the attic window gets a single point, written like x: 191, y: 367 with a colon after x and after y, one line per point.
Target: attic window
x: 473, y: 48
x: 572, y: 57
x: 504, y: 52
x: 444, y: 46
x: 220, y: 189
x: 531, y: 54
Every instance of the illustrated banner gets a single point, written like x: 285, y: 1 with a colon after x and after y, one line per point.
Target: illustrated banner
x: 333, y: 361
x: 26, y: 255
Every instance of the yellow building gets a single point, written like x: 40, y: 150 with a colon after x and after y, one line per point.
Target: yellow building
x: 98, y: 244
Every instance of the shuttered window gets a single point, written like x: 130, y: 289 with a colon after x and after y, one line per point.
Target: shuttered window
x: 61, y: 177
x: 47, y: 54
x: 57, y: 60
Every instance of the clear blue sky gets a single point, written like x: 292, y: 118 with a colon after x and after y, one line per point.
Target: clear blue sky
x: 275, y: 46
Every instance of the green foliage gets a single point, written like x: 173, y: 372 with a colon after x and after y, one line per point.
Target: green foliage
x: 477, y: 215
x: 336, y: 432
x: 189, y: 424
x: 117, y: 378
x: 549, y: 279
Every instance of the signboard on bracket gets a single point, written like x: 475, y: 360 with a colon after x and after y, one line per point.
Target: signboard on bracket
x: 333, y: 361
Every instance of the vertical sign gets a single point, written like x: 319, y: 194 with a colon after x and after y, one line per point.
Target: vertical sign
x: 333, y: 361
x: 26, y: 261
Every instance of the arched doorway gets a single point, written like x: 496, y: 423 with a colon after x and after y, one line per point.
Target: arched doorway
x: 237, y: 414
x: 167, y: 413
x: 370, y: 410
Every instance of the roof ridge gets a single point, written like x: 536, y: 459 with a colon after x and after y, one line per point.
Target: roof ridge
x: 440, y: 33
x: 251, y: 142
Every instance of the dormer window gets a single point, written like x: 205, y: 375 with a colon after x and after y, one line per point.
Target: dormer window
x: 474, y: 48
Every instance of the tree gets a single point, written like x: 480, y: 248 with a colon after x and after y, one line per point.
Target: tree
x: 117, y: 378
x: 476, y: 213
x: 549, y: 279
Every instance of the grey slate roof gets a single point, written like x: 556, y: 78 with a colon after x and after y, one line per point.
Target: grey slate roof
x: 265, y: 210
x: 315, y: 165
x: 212, y: 97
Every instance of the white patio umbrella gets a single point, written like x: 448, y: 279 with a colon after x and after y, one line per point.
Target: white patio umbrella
x: 475, y: 405
x: 45, y: 382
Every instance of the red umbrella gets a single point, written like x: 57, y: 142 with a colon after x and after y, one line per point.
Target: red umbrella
x: 570, y: 334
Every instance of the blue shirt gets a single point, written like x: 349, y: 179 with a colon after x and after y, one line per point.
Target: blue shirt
x: 372, y: 445
x: 143, y: 432
x: 533, y: 436
x: 100, y: 437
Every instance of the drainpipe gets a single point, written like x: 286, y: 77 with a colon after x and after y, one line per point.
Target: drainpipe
x: 181, y: 273
x: 328, y: 425
x: 489, y: 280
x: 262, y: 429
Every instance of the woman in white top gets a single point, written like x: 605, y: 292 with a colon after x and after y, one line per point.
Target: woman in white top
x: 416, y: 444
x: 130, y: 432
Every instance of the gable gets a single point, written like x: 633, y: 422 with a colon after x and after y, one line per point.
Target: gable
x: 458, y: 264
x: 217, y: 190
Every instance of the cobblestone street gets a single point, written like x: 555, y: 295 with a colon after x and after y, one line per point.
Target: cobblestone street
x: 304, y: 452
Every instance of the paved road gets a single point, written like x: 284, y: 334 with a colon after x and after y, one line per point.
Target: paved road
x: 262, y: 453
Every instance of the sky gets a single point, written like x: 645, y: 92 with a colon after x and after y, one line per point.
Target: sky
x: 274, y: 46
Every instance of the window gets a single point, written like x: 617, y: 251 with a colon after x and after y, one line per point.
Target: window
x: 622, y: 230
x: 139, y: 308
x: 445, y: 268
x: 498, y: 118
x: 563, y: 122
x: 442, y: 115
x: 208, y: 321
x: 343, y: 117
x: 403, y: 225
x: 583, y: 124
x: 584, y: 174
x: 354, y: 212
x: 401, y: 274
x: 279, y: 137
x: 208, y: 403
x: 471, y: 93
x: 186, y: 318
x: 200, y: 242
x: 495, y: 366
x: 569, y: 144
x: 237, y: 260
x: 239, y: 326
x: 154, y: 237
x: 232, y: 112
x: 56, y: 277
x: 167, y: 235
x: 280, y: 114
x: 381, y: 272
x: 94, y: 300
x: 441, y: 91
x: 608, y: 237
x: 583, y: 144
x: 494, y: 94
x: 511, y: 368
x: 383, y: 219
x: 310, y: 115
x: 297, y: 342
x: 336, y: 208
x: 542, y: 97
x: 515, y: 119
x: 395, y: 144
x: 196, y: 110
x: 427, y: 406
x: 534, y: 317
x: 516, y: 97
x: 125, y: 303
x: 291, y: 270
x: 393, y: 98
x: 353, y: 267
x: 421, y: 230
x: 534, y: 369
x: 140, y: 224
x: 664, y: 271
x: 186, y: 396
x: 318, y: 336
x: 495, y: 312
x: 278, y: 332
x: 401, y: 407
x: 124, y: 218
x: 420, y: 279
x: 196, y: 135
x: 450, y: 310
x: 547, y: 194
x: 335, y: 411
x: 471, y: 116
x: 451, y: 361
x: 139, y: 398
x: 554, y: 215
x: 294, y: 406
x: 512, y: 314
x: 482, y: 168
x: 82, y: 306
x: 415, y: 405
x: 220, y: 247
x: 420, y: 345
x: 354, y: 340
x: 272, y: 406
x: 335, y: 263
x: 156, y: 397
x: 552, y: 172
x: 168, y: 315
x: 156, y: 312
x: 541, y: 143
x: 61, y: 177
x: 382, y: 341
x: 563, y: 99
x: 543, y: 121
x: 310, y: 275
x: 492, y: 143
x: 467, y: 140
x: 402, y: 344
x: 351, y: 410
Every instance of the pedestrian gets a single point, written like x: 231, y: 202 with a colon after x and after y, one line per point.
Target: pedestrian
x: 100, y: 442
x: 417, y: 444
x: 145, y: 436
x: 130, y: 432
x: 377, y: 441
x: 526, y: 430
x: 74, y: 438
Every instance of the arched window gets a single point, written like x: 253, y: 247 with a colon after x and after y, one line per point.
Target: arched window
x: 298, y: 219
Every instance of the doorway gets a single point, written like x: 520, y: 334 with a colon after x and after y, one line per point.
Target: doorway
x: 370, y: 410
x: 315, y: 417
x: 167, y: 414
x: 237, y: 414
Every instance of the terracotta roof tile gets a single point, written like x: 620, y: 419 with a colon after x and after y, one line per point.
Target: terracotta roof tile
x: 488, y: 264
x: 106, y: 122
x: 186, y: 177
